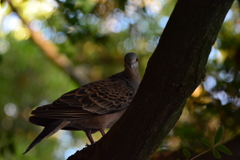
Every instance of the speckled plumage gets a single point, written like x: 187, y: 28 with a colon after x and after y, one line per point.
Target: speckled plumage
x: 92, y: 107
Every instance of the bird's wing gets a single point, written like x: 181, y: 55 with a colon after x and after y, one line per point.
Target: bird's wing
x: 96, y: 98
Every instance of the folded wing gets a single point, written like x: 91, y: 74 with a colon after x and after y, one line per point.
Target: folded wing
x: 96, y: 98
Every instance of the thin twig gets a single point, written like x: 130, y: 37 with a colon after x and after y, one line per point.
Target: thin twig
x: 201, y: 153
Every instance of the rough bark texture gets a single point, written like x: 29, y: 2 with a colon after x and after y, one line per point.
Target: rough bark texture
x: 175, y: 69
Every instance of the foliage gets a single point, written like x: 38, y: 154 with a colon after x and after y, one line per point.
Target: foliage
x: 95, y: 35
x: 215, y: 147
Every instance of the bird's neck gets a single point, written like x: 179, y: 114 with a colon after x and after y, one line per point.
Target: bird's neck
x: 133, y: 77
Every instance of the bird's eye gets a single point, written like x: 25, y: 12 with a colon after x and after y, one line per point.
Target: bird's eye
x: 124, y: 60
x: 137, y: 60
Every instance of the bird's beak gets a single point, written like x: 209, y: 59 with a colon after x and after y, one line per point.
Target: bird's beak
x: 131, y: 64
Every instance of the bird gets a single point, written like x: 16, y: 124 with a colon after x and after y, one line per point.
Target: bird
x: 92, y: 107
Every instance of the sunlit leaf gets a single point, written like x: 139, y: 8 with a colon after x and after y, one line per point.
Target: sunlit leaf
x: 186, y: 153
x: 206, y: 142
x: 218, y: 135
x: 224, y: 149
x: 216, y: 154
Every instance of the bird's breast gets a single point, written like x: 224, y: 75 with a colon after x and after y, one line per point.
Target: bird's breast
x: 98, y: 122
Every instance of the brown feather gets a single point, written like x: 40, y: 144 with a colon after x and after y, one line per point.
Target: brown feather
x: 92, y: 107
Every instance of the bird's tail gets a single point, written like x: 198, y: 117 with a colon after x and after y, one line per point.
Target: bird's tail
x: 48, y: 131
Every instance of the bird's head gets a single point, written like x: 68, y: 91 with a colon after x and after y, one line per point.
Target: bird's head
x: 131, y: 61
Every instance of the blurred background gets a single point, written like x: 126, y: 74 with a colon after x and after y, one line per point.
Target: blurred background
x: 49, y: 47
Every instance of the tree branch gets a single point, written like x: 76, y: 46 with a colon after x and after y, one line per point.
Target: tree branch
x: 51, y: 52
x: 175, y: 69
x: 233, y: 145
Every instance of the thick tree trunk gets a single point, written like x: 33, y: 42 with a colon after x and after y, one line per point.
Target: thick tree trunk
x: 175, y: 69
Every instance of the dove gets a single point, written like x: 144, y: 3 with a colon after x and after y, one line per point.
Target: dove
x: 92, y: 107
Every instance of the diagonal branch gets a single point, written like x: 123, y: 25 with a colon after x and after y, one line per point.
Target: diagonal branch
x: 174, y: 71
x: 51, y: 52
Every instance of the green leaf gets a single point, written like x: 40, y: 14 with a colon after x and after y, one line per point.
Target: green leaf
x: 216, y: 154
x: 186, y: 153
x: 224, y: 149
x: 206, y: 142
x: 218, y: 135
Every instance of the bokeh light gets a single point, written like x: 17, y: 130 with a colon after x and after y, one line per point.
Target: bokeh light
x: 94, y: 35
x: 4, y: 46
x: 11, y: 110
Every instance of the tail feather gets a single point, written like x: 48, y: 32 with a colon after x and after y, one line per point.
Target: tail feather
x: 48, y: 131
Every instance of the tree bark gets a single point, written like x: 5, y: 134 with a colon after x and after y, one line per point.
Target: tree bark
x: 174, y: 71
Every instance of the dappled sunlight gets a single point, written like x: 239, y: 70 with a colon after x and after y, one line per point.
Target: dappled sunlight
x: 4, y: 46
x: 237, y: 26
x: 10, y: 23
x: 91, y: 38
x: 37, y: 9
x: 60, y: 37
x: 226, y: 76
x: 184, y: 116
x: 225, y: 98
x: 174, y: 142
x: 215, y: 54
x: 21, y: 34
x: 30, y: 10
x: 153, y: 6
x: 209, y: 83
x: 11, y: 110
x: 68, y: 145
x: 163, y: 21
x: 117, y: 21
x: 113, y: 26
x: 36, y: 25
x: 229, y: 16
x: 213, y: 124
x: 70, y: 151
x: 197, y: 91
